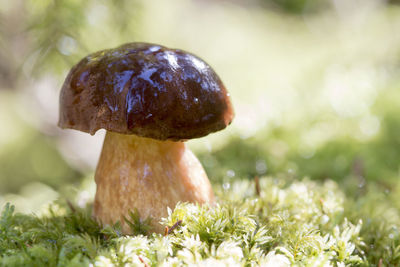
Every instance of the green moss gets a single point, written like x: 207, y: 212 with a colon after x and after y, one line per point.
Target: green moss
x: 302, y: 223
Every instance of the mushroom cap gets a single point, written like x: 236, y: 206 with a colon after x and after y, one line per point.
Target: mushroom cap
x: 145, y: 89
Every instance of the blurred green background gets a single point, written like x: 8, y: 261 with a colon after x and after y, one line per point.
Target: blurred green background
x: 315, y: 85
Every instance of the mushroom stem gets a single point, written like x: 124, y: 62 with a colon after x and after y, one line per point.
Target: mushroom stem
x: 147, y: 175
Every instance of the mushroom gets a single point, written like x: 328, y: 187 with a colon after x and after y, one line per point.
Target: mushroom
x: 149, y: 99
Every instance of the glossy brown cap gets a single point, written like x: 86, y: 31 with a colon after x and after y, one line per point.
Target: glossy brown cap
x: 145, y: 89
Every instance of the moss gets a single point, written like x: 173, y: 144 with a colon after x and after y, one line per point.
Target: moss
x: 303, y: 223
